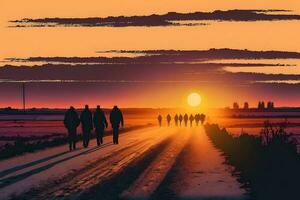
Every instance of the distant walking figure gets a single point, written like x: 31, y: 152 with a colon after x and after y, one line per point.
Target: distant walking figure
x: 86, y: 125
x: 159, y: 118
x: 180, y: 119
x: 185, y: 118
x: 191, y: 119
x: 71, y: 122
x: 116, y: 117
x: 169, y: 119
x: 100, y: 123
x: 197, y: 119
x: 176, y: 119
x: 202, y: 118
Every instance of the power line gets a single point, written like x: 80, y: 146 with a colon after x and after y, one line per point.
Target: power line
x: 24, y: 99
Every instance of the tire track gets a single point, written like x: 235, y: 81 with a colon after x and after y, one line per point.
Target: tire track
x: 117, y: 182
x: 155, y: 173
x: 94, y: 173
x: 200, y: 173
x: 164, y: 190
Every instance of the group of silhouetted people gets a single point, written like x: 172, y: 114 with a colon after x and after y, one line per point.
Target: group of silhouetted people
x: 183, y: 118
x: 89, y: 121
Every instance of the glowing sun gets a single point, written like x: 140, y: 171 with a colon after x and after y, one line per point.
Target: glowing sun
x: 194, y: 99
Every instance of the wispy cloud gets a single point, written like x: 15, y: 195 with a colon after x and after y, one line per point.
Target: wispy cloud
x: 161, y: 66
x: 169, y: 19
x: 293, y: 82
x: 157, y: 71
x: 172, y: 56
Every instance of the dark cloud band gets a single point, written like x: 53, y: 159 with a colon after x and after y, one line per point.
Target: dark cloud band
x: 169, y: 19
x: 151, y: 57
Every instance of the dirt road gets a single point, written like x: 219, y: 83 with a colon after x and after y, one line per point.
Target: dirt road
x: 150, y: 163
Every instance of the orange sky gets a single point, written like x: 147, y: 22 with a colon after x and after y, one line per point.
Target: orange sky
x: 68, y: 8
x: 78, y: 41
x: 64, y: 42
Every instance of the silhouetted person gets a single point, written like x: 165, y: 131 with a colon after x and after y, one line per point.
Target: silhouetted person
x: 176, y: 118
x: 71, y: 122
x: 100, y: 123
x: 197, y: 119
x: 169, y: 119
x: 191, y: 119
x: 185, y: 118
x: 116, y: 118
x: 180, y: 119
x: 202, y: 118
x: 86, y: 125
x: 159, y: 118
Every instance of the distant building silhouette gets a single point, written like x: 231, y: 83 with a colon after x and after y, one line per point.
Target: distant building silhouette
x: 261, y: 105
x: 270, y: 105
x: 235, y: 105
x: 246, y: 105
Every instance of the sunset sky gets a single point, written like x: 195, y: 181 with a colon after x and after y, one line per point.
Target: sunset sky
x: 149, y: 61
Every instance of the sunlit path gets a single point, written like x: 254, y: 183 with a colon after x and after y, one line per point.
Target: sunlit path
x: 150, y: 163
x: 20, y: 178
x: 200, y: 173
x: 156, y: 172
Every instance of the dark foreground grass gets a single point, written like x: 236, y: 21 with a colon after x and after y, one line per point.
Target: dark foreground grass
x: 268, y: 165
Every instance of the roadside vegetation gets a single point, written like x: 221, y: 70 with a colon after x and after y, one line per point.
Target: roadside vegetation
x: 268, y: 165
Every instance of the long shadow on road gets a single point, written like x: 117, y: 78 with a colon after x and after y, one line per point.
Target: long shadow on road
x: 30, y: 164
x: 164, y: 191
x: 173, y: 184
x: 13, y: 179
x: 112, y: 187
x: 36, y: 162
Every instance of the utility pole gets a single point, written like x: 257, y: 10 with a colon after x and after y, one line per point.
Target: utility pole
x: 24, y: 99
